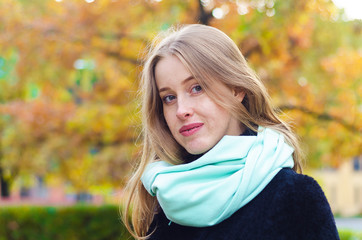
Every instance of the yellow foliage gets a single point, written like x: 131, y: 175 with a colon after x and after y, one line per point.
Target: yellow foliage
x: 68, y: 99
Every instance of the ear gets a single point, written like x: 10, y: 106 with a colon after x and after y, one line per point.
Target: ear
x: 239, y: 95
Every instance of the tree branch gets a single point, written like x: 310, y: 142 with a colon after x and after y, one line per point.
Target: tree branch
x: 204, y: 17
x: 119, y: 57
x: 322, y: 116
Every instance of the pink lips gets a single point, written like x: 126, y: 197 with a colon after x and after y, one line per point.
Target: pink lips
x: 190, y: 129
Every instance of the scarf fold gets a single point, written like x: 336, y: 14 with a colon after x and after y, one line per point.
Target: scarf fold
x: 210, y: 189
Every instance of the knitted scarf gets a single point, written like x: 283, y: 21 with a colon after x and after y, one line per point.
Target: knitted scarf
x: 210, y: 189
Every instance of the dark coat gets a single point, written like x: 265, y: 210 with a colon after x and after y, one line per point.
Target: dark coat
x: 292, y: 206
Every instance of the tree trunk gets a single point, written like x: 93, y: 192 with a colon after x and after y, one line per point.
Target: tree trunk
x: 204, y: 17
x: 4, y: 185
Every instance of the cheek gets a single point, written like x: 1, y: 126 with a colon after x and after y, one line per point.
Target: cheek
x: 170, y: 121
x: 213, y: 110
x: 218, y: 117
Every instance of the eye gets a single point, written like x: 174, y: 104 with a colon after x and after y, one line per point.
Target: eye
x: 196, y: 89
x: 168, y: 99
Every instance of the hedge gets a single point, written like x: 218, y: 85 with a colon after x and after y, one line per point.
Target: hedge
x: 77, y: 222
x: 345, y: 234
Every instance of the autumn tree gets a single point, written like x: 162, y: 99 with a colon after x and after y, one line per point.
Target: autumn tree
x: 69, y: 78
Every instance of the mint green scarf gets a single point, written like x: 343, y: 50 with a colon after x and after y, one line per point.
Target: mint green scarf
x: 210, y: 189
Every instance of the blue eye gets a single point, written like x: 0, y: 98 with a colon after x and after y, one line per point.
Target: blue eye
x: 167, y: 99
x: 196, y: 89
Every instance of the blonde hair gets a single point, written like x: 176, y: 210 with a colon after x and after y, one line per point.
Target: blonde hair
x: 213, y: 59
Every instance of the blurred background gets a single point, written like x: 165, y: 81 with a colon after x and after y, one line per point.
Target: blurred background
x: 69, y: 75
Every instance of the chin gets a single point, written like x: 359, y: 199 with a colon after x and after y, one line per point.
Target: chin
x: 197, y: 146
x: 196, y: 151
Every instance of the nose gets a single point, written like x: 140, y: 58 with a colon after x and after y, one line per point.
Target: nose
x: 184, y: 109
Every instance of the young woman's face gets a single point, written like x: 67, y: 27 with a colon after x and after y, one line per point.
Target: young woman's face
x: 194, y: 119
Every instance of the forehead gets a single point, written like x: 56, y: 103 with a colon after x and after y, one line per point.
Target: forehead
x: 170, y: 70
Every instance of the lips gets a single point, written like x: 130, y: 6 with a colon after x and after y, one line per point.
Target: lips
x: 190, y: 129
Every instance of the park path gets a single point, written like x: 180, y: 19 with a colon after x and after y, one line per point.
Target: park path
x: 354, y: 224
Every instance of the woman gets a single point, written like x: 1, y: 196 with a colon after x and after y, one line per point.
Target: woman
x: 217, y: 161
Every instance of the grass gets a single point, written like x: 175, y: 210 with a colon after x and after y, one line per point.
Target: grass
x: 346, y: 234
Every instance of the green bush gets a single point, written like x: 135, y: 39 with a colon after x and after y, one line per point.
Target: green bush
x: 77, y: 222
x: 349, y: 235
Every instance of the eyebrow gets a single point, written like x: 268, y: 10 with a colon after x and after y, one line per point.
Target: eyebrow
x: 183, y: 82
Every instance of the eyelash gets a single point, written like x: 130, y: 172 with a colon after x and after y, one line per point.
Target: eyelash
x: 197, y: 86
x: 166, y: 100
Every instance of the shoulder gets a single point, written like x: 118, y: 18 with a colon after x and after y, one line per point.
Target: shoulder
x: 292, y: 206
x: 298, y: 186
x: 289, y: 176
x: 293, y: 192
x: 306, y: 205
x: 300, y: 193
x: 288, y: 181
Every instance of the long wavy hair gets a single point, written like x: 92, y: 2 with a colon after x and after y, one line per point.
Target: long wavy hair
x: 213, y: 59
